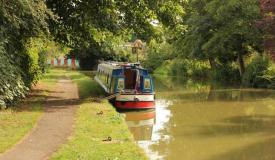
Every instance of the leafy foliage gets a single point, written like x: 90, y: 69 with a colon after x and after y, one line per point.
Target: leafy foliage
x: 221, y: 30
x: 157, y: 54
x: 260, y: 72
x: 226, y: 74
x: 93, y: 28
x: 20, y: 21
x: 12, y: 86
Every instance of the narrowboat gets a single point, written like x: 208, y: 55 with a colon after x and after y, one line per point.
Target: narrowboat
x: 129, y: 85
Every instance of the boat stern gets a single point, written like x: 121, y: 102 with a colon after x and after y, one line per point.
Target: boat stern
x: 135, y: 101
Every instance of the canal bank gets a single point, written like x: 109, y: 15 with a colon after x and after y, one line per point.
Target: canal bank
x: 100, y: 132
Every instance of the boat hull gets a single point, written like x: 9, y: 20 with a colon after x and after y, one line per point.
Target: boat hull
x: 135, y: 101
x: 134, y: 105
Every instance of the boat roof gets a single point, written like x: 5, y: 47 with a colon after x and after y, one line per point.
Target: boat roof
x: 110, y: 65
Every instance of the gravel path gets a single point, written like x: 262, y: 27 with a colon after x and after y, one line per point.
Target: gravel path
x: 54, y: 127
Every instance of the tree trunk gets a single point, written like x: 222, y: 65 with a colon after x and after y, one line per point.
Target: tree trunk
x: 211, y: 94
x: 241, y: 64
x: 212, y: 63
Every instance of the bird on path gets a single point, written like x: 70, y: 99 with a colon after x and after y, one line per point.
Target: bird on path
x: 99, y: 113
x: 108, y: 139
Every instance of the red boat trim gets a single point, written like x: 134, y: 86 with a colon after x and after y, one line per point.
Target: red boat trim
x: 136, y: 94
x: 135, y: 105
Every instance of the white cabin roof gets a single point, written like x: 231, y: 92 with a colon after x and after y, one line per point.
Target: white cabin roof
x: 108, y: 67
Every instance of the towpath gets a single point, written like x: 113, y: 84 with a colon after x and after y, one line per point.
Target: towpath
x: 53, y: 128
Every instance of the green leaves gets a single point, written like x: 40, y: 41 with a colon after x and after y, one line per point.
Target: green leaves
x: 221, y: 29
x: 20, y: 20
x: 12, y: 86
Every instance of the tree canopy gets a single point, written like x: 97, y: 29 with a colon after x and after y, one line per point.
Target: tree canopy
x: 220, y: 32
x: 20, y: 22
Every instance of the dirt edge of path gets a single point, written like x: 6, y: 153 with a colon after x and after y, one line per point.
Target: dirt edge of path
x: 52, y: 129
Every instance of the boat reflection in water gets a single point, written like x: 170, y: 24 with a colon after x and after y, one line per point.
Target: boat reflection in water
x: 141, y: 123
x: 147, y: 127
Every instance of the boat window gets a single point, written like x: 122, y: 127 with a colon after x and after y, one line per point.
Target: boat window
x: 120, y: 84
x: 147, y: 83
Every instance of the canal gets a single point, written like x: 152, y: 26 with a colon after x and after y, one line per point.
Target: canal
x: 202, y: 121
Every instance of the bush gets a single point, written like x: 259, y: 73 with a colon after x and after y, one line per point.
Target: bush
x: 179, y: 68
x: 226, y: 73
x: 258, y: 72
x: 42, y: 61
x: 20, y: 21
x: 164, y: 68
x: 184, y: 68
x: 157, y: 54
x: 12, y: 86
x: 18, y: 71
x: 190, y: 68
x: 269, y: 75
x: 153, y: 61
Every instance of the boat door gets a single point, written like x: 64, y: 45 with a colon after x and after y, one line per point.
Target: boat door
x: 130, y: 78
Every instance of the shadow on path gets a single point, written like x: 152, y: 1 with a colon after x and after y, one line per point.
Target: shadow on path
x: 55, y: 125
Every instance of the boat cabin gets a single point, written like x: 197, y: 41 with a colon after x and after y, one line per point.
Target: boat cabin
x: 117, y: 77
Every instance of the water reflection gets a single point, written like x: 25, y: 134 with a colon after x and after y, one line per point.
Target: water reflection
x: 201, y: 121
x: 141, y: 124
x: 147, y: 127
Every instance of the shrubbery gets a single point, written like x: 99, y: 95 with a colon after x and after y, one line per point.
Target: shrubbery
x: 164, y: 68
x: 163, y: 59
x: 12, y: 86
x: 260, y: 73
x: 157, y: 54
x: 226, y: 73
x: 16, y: 80
x: 191, y: 68
x: 184, y: 68
x: 21, y: 25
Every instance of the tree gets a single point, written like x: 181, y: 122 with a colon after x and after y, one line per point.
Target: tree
x: 84, y: 25
x: 20, y: 20
x: 222, y: 31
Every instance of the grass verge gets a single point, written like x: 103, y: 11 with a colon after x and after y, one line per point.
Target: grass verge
x: 90, y: 131
x: 92, y: 128
x: 16, y: 122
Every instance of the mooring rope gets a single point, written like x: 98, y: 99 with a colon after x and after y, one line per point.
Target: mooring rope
x: 110, y: 96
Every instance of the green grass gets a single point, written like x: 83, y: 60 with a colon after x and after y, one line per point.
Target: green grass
x: 87, y: 86
x: 91, y: 129
x: 84, y: 80
x: 52, y: 76
x: 16, y: 122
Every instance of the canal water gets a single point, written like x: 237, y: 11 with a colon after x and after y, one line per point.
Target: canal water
x: 202, y: 121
